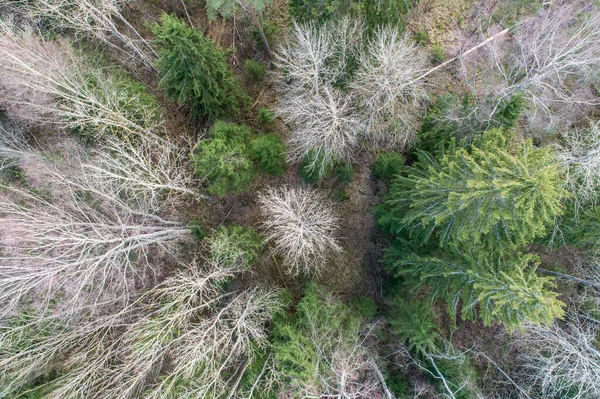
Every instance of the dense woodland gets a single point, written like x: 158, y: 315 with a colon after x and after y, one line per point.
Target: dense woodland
x: 299, y: 199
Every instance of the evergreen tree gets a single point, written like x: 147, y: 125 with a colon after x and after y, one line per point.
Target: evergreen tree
x: 414, y: 321
x: 224, y: 159
x: 268, y: 151
x: 492, y: 194
x: 505, y: 290
x: 195, y: 71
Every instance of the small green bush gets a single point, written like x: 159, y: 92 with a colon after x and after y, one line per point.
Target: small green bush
x: 437, y: 54
x: 510, y: 111
x: 414, y: 322
x: 265, y: 115
x: 341, y: 195
x: 268, y: 151
x: 345, y: 173
x: 224, y: 159
x: 254, y: 70
x: 421, y: 37
x: 399, y: 385
x: 235, y: 245
x: 197, y: 229
x: 388, y: 165
x: 364, y: 306
x: 11, y: 174
x: 271, y: 31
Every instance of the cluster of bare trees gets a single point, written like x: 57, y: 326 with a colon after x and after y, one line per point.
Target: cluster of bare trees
x: 550, y: 60
x: 99, y: 20
x: 88, y: 226
x: 83, y: 242
x: 330, y: 109
x: 188, y: 321
x: 302, y: 226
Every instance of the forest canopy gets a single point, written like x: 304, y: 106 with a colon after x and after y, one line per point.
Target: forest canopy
x: 264, y: 199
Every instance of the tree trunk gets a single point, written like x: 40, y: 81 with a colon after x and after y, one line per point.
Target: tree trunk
x: 256, y: 21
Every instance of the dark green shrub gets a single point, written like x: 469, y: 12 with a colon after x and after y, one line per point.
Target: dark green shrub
x: 388, y: 165
x: 341, y: 195
x: 364, y: 306
x: 254, y: 70
x: 195, y: 71
x: 271, y: 31
x: 385, y: 13
x: 345, y: 173
x: 509, y: 111
x: 224, y: 159
x: 11, y: 173
x: 265, y: 115
x: 399, y: 385
x: 375, y: 13
x: 313, y: 10
x: 414, y: 322
x: 268, y: 151
x: 197, y: 228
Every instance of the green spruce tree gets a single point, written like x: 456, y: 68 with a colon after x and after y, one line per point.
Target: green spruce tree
x: 195, y: 71
x: 503, y: 290
x: 224, y: 159
x: 494, y: 194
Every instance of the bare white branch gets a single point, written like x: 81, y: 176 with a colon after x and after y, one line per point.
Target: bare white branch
x: 100, y: 20
x: 387, y: 87
x: 561, y: 359
x: 303, y: 226
x: 46, y: 82
x: 579, y: 154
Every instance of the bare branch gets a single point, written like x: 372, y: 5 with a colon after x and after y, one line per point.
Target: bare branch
x: 302, y: 225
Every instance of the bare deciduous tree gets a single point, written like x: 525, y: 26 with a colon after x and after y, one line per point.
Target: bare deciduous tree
x: 14, y: 147
x: 207, y: 354
x: 550, y: 62
x: 96, y: 19
x: 386, y: 85
x: 84, y: 243
x: 325, y: 123
x: 302, y: 225
x: 304, y: 58
x: 47, y: 82
x: 31, y: 346
x: 563, y: 358
x: 172, y: 307
x: 155, y: 171
x: 579, y: 154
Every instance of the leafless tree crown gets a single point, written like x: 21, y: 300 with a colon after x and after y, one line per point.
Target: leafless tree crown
x: 302, y: 226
